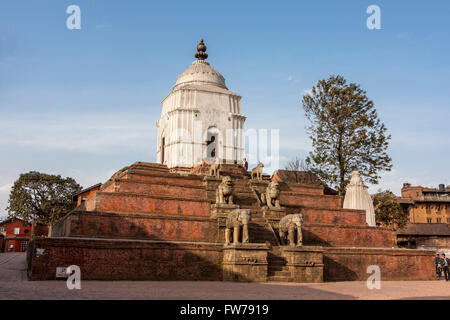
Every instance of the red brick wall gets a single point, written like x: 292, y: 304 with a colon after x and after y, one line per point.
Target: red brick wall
x: 350, y: 264
x: 126, y: 260
x: 301, y: 188
x: 120, y: 202
x: 347, y: 236
x: 334, y: 216
x: 166, y: 178
x: 24, y: 229
x: 307, y: 200
x: 137, y: 226
x: 159, y: 189
x: 16, y: 239
x: 154, y: 260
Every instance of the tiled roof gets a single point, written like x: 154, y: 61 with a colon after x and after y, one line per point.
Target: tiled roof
x: 304, y: 177
x: 425, y: 229
x: 405, y: 200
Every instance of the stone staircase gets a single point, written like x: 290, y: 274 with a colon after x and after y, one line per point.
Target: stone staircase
x: 260, y: 231
x: 277, y: 269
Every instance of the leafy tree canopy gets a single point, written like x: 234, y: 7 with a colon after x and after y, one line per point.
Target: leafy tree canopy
x: 41, y: 197
x: 388, y: 210
x: 346, y: 133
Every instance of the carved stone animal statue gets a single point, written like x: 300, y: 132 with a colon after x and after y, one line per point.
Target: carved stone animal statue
x: 214, y: 169
x: 257, y: 171
x: 236, y: 221
x: 291, y: 228
x: 271, y: 197
x: 224, y: 193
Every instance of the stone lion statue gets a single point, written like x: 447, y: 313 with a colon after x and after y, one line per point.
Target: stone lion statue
x: 257, y: 171
x: 238, y: 219
x: 272, y: 196
x: 290, y: 228
x: 224, y: 193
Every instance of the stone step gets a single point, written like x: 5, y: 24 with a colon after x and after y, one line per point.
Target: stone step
x: 278, y: 269
x: 278, y: 279
x: 276, y: 262
x: 285, y: 274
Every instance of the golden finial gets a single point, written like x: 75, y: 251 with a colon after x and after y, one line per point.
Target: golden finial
x: 201, y: 51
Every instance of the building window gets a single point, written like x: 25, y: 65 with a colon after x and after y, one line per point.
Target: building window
x: 438, y: 220
x: 448, y: 220
x: 23, y: 246
x: 2, y: 229
x: 429, y: 220
x: 417, y: 194
x: 26, y: 231
x: 16, y: 230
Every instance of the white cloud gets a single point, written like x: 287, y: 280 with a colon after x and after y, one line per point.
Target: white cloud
x: 6, y: 188
x: 97, y: 133
x: 307, y: 91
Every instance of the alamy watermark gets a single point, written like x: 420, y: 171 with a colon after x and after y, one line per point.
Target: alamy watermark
x: 74, y: 20
x: 73, y: 275
x: 374, y: 281
x: 374, y: 20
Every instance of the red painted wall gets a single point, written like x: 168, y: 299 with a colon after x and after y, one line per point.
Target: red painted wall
x: 13, y: 242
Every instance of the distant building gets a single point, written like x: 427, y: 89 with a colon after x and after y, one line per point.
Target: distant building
x: 2, y: 242
x: 81, y: 196
x: 434, y: 236
x: 16, y: 234
x: 426, y: 205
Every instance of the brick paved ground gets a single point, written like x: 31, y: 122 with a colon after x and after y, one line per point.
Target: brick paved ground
x: 13, y: 285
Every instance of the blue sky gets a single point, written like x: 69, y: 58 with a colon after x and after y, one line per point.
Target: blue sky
x: 83, y: 103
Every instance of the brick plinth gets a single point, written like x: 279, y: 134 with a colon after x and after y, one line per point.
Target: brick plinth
x: 136, y: 226
x: 126, y: 259
x: 320, y: 234
x: 150, y: 223
x: 127, y: 202
x: 245, y: 262
x: 304, y: 263
x: 347, y: 264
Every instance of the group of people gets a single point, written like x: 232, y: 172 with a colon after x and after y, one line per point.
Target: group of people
x: 442, y: 266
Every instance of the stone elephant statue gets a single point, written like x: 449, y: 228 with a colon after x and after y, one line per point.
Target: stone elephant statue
x: 290, y: 229
x: 236, y: 221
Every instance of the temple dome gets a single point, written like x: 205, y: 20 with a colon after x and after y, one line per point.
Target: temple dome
x: 200, y: 72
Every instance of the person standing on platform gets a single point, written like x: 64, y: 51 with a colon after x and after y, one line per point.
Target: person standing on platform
x: 245, y: 164
x: 445, y: 265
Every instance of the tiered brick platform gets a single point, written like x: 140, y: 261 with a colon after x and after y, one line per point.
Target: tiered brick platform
x: 151, y: 223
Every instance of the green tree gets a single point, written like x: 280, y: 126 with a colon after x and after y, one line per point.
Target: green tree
x: 41, y: 197
x: 346, y: 133
x: 388, y: 210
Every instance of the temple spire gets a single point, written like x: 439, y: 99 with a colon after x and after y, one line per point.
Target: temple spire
x: 201, y: 51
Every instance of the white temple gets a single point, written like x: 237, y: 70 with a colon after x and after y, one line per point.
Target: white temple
x: 201, y: 120
x: 357, y: 197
